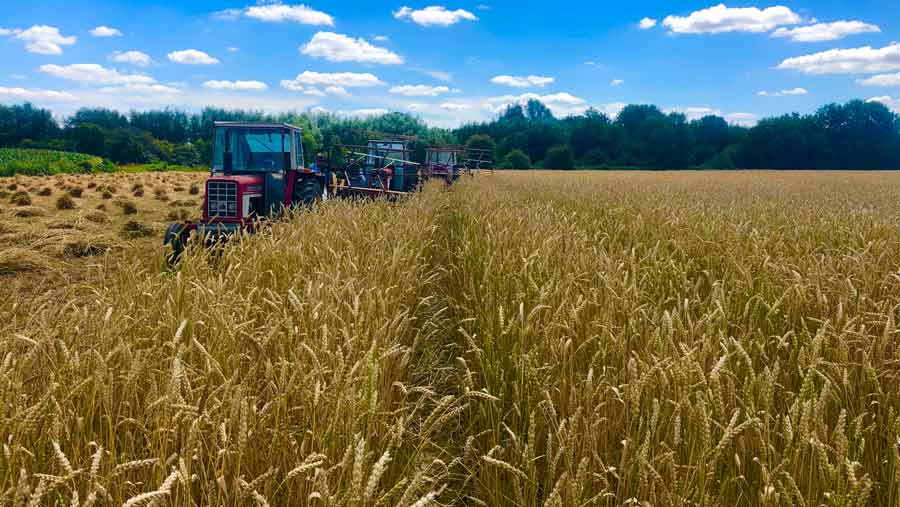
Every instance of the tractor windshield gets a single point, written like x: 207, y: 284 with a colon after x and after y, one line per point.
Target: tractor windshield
x: 252, y: 149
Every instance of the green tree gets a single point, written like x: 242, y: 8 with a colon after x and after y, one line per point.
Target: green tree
x: 516, y: 159
x: 559, y: 157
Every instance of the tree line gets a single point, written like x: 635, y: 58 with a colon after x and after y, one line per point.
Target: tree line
x: 854, y: 135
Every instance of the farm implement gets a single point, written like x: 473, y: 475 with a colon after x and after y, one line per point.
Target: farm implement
x: 259, y: 170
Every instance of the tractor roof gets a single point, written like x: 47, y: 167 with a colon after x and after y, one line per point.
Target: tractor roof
x: 251, y: 125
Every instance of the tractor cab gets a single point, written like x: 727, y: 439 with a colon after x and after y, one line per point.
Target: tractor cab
x: 251, y: 167
x: 444, y: 161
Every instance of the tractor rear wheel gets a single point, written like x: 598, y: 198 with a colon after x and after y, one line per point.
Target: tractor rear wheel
x: 308, y: 191
x: 174, y: 238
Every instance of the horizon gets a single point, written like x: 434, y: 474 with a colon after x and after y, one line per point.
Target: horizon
x: 449, y: 64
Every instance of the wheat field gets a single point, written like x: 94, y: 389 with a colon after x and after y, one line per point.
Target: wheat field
x: 521, y: 339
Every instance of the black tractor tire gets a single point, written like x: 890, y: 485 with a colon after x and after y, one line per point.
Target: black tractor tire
x: 174, y: 243
x: 308, y: 191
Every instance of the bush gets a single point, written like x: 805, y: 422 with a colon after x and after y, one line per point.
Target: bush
x: 516, y: 159
x: 559, y: 157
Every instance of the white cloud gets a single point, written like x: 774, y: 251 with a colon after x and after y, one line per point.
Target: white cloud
x: 381, y: 38
x: 560, y: 104
x: 192, y: 57
x: 336, y: 47
x: 742, y: 119
x: 92, y: 73
x: 36, y: 95
x: 435, y: 15
x: 228, y: 14
x: 523, y: 81
x: 376, y: 111
x: 647, y: 23
x: 891, y: 102
x: 881, y: 80
x: 256, y: 86
x: 864, y: 60
x: 141, y: 89
x: 319, y: 110
x: 233, y: 49
x: 42, y: 39
x: 312, y: 92
x: 417, y: 106
x: 453, y: 106
x: 720, y: 19
x: 133, y: 57
x: 784, y: 93
x: 279, y: 13
x: 419, y: 90
x: 343, y: 79
x: 820, y: 32
x: 6, y: 31
x: 337, y: 90
x: 105, y: 31
x: 617, y: 82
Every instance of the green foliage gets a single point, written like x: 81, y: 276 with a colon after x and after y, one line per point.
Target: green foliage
x: 39, y: 162
x: 516, y: 159
x: 559, y: 157
x: 855, y: 135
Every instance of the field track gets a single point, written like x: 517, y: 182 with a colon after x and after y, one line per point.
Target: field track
x: 522, y: 339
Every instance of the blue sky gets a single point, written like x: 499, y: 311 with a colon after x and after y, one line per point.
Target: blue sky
x: 449, y: 63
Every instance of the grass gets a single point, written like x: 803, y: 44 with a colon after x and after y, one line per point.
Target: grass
x: 524, y: 338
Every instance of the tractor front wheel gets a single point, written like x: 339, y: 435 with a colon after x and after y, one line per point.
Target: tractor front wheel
x: 174, y: 243
x: 308, y: 191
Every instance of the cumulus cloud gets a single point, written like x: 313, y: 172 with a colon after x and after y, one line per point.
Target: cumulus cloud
x: 881, y: 80
x: 41, y: 39
x: 336, y: 47
x: 891, y: 102
x: 560, y: 104
x: 720, y: 19
x: 435, y: 15
x: 375, y: 111
x: 36, y: 95
x: 133, y: 57
x: 279, y: 13
x: 695, y: 113
x: 821, y: 32
x: 337, y: 90
x: 453, y: 106
x: 92, y: 73
x: 381, y: 38
x: 419, y: 90
x: 191, y: 57
x: 343, y: 79
x: 784, y: 93
x: 256, y: 86
x: 647, y: 23
x: 742, y: 119
x: 617, y: 82
x: 523, y: 81
x: 864, y: 60
x: 105, y: 31
x: 141, y: 89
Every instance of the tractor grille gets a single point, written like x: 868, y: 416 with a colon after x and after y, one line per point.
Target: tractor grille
x: 221, y: 199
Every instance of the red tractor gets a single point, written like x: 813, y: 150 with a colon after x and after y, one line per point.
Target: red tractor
x: 258, y: 170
